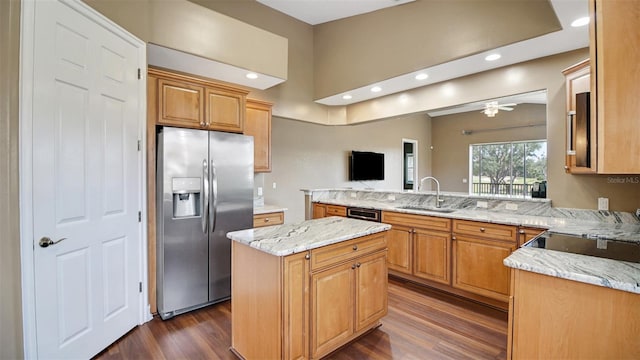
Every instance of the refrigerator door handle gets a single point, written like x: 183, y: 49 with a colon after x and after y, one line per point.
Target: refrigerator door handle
x: 205, y: 199
x: 214, y: 195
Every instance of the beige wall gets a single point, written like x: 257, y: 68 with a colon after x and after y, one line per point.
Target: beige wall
x: 450, y: 154
x: 10, y: 298
x: 360, y: 50
x: 316, y: 156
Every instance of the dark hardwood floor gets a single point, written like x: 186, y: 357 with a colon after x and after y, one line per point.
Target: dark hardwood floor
x: 421, y: 324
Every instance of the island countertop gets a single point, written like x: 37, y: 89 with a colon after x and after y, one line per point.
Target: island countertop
x: 287, y: 239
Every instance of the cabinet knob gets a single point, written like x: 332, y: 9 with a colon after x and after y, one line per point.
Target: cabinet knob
x: 355, y: 247
x: 307, y: 257
x: 202, y: 123
x: 482, y: 229
x: 353, y: 266
x: 266, y: 219
x: 453, y: 238
x: 358, y: 264
x: 566, y: 167
x: 521, y: 231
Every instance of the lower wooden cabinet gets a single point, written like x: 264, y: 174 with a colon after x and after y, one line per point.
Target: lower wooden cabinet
x: 345, y: 300
x: 554, y: 318
x: 478, y: 267
x: 268, y: 219
x: 431, y: 255
x: 419, y: 246
x: 300, y: 307
x: 324, y: 210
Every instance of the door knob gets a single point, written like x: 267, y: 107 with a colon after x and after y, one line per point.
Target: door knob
x: 46, y: 242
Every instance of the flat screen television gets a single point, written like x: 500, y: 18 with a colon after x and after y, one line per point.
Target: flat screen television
x: 364, y: 165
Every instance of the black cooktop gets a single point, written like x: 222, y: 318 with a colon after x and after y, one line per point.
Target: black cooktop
x: 609, y: 249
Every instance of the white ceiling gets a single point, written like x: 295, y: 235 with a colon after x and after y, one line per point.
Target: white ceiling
x: 320, y: 11
x: 567, y: 39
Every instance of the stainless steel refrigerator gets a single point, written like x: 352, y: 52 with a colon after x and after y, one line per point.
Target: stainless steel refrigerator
x: 204, y: 190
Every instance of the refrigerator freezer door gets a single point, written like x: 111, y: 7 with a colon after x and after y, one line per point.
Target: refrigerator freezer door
x: 182, y: 267
x: 231, y: 203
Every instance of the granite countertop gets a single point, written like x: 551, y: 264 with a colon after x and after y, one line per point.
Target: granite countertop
x: 287, y: 239
x: 620, y: 275
x: 265, y: 209
x: 614, y: 274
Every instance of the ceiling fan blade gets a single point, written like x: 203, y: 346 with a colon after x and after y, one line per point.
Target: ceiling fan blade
x: 505, y: 108
x: 511, y: 104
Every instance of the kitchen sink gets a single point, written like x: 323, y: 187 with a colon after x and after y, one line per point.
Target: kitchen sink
x: 426, y: 208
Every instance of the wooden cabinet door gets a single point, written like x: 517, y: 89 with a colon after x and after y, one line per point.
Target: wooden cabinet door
x: 336, y: 210
x: 478, y: 267
x: 616, y: 83
x: 399, y: 246
x: 371, y: 289
x: 319, y: 211
x: 431, y: 255
x: 180, y: 104
x: 296, y: 306
x: 332, y: 308
x: 258, y: 125
x: 578, y: 80
x: 225, y: 110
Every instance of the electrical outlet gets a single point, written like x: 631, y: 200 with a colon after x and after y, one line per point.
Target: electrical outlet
x: 482, y: 204
x: 603, y: 204
x: 391, y: 197
x: 464, y: 181
x: 274, y: 185
x: 511, y: 206
x: 259, y: 190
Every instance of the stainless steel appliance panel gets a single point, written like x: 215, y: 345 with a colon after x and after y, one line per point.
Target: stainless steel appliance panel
x: 231, y: 203
x: 182, y: 262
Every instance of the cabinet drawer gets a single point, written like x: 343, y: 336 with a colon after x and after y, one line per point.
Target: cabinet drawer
x: 268, y: 219
x: 335, y: 210
x: 486, y: 230
x: 346, y: 250
x: 420, y: 221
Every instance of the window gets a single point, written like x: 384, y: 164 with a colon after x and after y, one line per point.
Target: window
x: 507, y: 168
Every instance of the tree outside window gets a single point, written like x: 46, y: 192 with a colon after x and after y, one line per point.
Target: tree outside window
x: 507, y: 168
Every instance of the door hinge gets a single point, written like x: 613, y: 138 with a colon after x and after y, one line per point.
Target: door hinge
x: 139, y: 145
x: 139, y: 216
x: 139, y: 74
x: 140, y: 286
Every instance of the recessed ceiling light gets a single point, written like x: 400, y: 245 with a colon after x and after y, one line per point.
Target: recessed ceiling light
x: 580, y: 21
x: 493, y: 57
x: 252, y: 76
x: 421, y: 76
x: 376, y: 89
x: 347, y: 97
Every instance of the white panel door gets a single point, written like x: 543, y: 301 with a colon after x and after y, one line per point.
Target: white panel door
x: 86, y: 183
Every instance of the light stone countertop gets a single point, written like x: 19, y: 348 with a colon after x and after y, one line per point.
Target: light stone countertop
x: 620, y: 275
x: 265, y: 209
x: 614, y: 274
x: 287, y: 239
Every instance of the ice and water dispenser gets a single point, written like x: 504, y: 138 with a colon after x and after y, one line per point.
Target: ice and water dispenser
x: 186, y: 197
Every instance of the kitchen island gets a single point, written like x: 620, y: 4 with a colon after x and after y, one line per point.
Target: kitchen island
x: 303, y: 290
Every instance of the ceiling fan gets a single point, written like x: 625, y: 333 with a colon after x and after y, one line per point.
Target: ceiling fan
x: 491, y: 108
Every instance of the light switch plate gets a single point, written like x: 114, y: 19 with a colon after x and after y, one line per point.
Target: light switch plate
x: 603, y: 204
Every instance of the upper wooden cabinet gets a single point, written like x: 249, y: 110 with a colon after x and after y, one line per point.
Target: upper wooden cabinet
x: 581, y: 120
x: 258, y: 125
x: 617, y: 82
x: 192, y: 102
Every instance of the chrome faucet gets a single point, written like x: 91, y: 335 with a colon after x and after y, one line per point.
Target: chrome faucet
x: 438, y: 200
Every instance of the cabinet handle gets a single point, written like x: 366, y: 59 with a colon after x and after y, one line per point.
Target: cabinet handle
x: 353, y: 266
x: 570, y: 150
x: 307, y: 257
x: 266, y: 219
x: 482, y: 229
x: 453, y: 238
x: 355, y: 247
x: 358, y: 264
x: 521, y: 231
x: 202, y: 123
